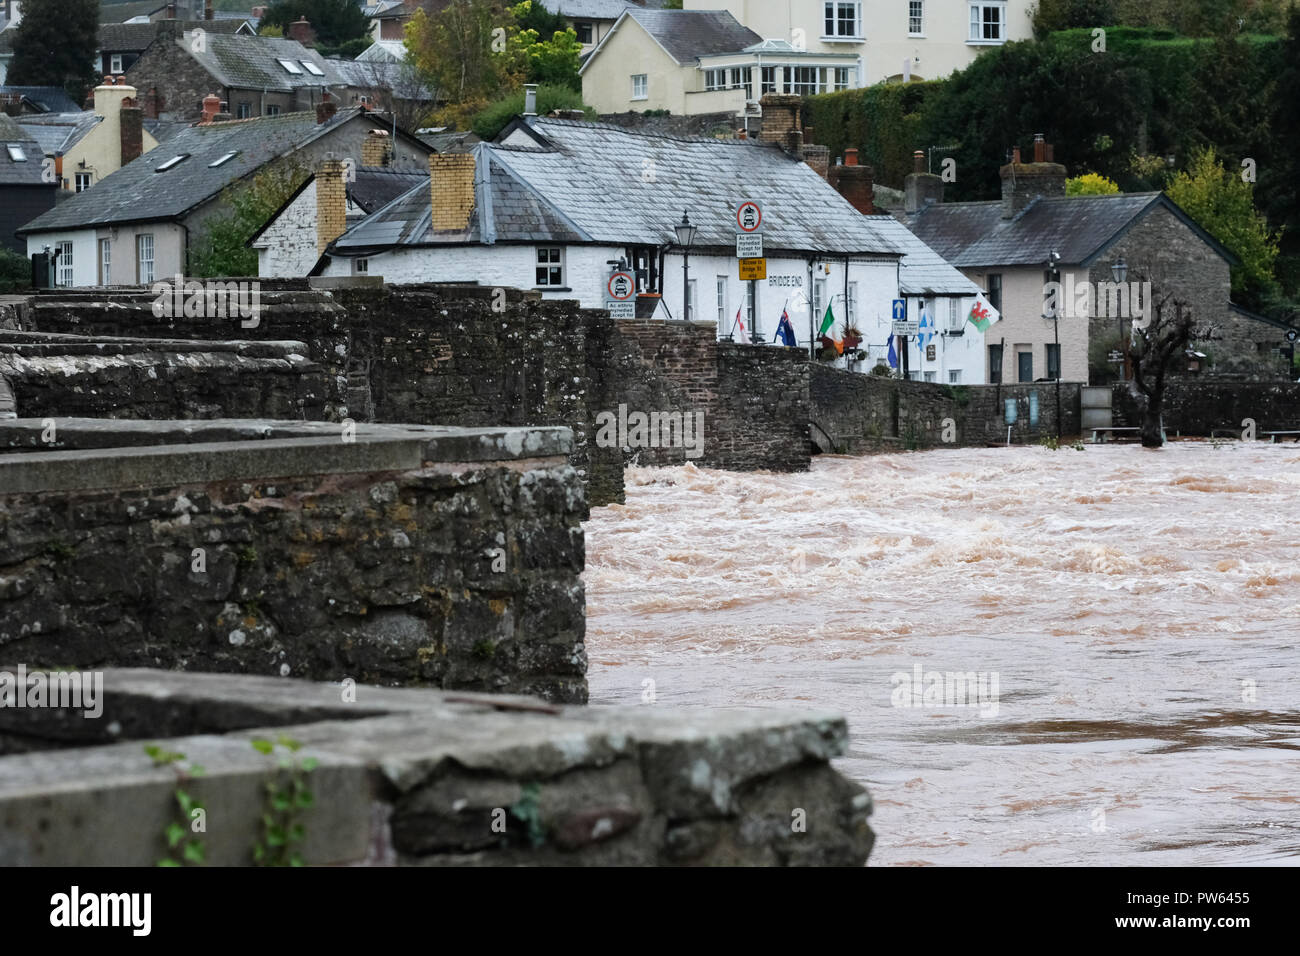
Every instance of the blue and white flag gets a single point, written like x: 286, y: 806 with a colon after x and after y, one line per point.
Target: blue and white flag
x: 893, y: 352
x: 785, y: 331
x: 925, y: 331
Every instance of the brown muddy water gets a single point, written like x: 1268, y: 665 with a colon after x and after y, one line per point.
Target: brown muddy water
x: 1138, y: 610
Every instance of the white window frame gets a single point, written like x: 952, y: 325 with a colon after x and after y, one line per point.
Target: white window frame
x: 290, y: 67
x: 916, y: 18
x: 797, y: 80
x: 16, y: 153
x: 851, y: 304
x: 273, y: 110
x: 721, y: 288
x: 65, y: 277
x: 554, y: 262
x: 844, y: 78
x: 954, y: 376
x: 105, y: 262
x: 361, y: 267
x: 641, y: 82
x: 819, y: 300
x: 115, y: 64
x: 312, y: 68
x: 693, y: 298
x: 834, y: 21
x: 770, y: 79
x: 977, y: 22
x: 930, y: 376
x: 144, y: 264
x: 77, y: 179
x: 715, y: 79
x: 589, y: 27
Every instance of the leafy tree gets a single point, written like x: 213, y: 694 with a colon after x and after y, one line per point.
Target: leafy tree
x: 55, y: 44
x: 1052, y: 15
x: 465, y: 52
x: 491, y: 121
x: 554, y: 61
x: 1090, y: 184
x: 221, y: 248
x: 1223, y: 203
x: 533, y: 15
x: 15, y: 271
x: 335, y: 21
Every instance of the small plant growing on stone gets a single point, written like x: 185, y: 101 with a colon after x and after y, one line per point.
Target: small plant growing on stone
x: 1049, y: 442
x: 183, y: 846
x: 528, y: 810
x: 248, y: 555
x: 287, y: 796
x: 485, y: 650
x: 1077, y: 445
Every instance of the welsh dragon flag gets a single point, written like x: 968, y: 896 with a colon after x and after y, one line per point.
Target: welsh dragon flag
x: 982, y: 315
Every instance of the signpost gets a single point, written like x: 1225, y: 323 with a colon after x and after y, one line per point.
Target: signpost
x: 749, y: 250
x: 902, y: 327
x: 752, y: 270
x: 749, y: 217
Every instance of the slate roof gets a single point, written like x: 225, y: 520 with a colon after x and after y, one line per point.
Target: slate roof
x: 589, y: 185
x: 48, y: 99
x: 59, y: 132
x: 373, y: 188
x: 250, y: 63
x: 163, y: 130
x: 1080, y: 228
x: 121, y: 12
x: 134, y: 37
x: 687, y: 35
x: 27, y: 173
x: 137, y: 193
x: 366, y: 74
x: 385, y: 51
x: 598, y: 9
x: 923, y: 271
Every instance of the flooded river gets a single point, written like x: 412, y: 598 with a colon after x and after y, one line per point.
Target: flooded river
x: 1127, y: 623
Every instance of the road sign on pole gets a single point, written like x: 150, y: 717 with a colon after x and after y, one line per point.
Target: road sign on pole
x: 900, y: 310
x: 621, y: 287
x: 753, y: 269
x: 749, y: 217
x: 749, y: 246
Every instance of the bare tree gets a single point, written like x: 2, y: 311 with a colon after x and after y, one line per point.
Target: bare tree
x: 1154, y: 348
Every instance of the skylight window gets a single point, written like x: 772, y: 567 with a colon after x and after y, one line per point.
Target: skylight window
x: 312, y: 68
x: 224, y: 158
x: 290, y: 66
x: 16, y: 153
x: 175, y: 160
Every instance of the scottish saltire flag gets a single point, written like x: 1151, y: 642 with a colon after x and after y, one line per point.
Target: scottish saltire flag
x: 893, y: 352
x: 925, y: 331
x: 785, y: 331
x: 982, y: 315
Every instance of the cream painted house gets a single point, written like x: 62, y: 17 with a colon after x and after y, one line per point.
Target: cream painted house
x: 693, y: 62
x: 86, y: 147
x: 927, y: 39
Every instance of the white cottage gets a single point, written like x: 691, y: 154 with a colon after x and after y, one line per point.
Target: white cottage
x: 557, y: 205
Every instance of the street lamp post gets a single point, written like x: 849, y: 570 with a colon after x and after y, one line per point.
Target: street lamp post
x: 685, y: 237
x: 1119, y: 272
x: 1054, y: 274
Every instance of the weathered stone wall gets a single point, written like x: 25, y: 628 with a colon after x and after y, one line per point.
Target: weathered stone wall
x: 440, y: 557
x: 861, y: 411
x: 62, y: 376
x: 417, y: 777
x: 1198, y: 408
x: 754, y: 401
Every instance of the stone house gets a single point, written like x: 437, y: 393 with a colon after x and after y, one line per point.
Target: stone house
x: 252, y: 75
x: 141, y: 223
x: 591, y: 20
x: 885, y: 39
x: 701, y: 61
x: 1004, y: 246
x: 120, y: 44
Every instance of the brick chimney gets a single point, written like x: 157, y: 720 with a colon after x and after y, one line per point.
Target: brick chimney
x: 1022, y: 183
x: 131, y: 132
x: 326, y: 108
x: 782, y: 115
x: 376, y: 148
x: 207, y: 10
x: 921, y: 188
x: 331, y: 203
x: 855, y: 183
x: 211, y: 106
x: 451, y: 186
x: 301, y: 31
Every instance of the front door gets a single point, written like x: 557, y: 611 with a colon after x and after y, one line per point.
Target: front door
x: 1026, y: 366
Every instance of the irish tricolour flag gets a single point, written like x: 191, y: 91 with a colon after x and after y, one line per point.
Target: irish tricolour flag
x: 982, y: 315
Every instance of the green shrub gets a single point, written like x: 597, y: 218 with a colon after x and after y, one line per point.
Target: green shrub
x: 15, y: 271
x: 493, y: 119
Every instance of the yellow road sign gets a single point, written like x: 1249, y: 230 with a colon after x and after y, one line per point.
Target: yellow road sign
x: 753, y: 269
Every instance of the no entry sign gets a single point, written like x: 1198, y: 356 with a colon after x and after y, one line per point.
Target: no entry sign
x: 749, y: 217
x: 621, y: 287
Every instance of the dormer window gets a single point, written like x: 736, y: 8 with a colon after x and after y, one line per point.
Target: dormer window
x: 224, y: 158
x: 312, y: 68
x: 290, y: 67
x: 174, y: 161
x: 16, y: 153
